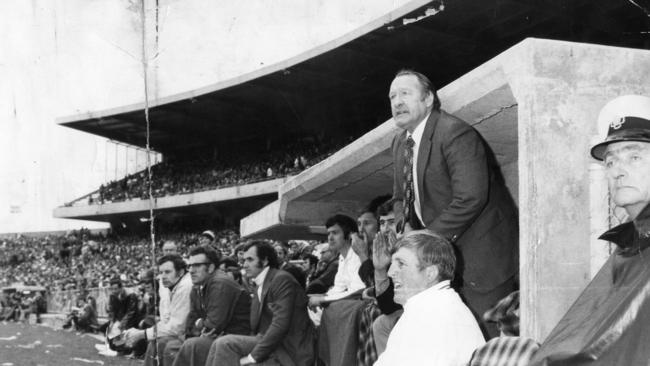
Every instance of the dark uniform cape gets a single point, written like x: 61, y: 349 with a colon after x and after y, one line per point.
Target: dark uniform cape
x: 609, y: 324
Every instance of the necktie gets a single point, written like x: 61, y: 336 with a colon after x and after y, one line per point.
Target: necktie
x: 407, y: 185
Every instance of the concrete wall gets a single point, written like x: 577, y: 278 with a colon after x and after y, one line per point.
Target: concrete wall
x: 561, y: 88
x: 67, y: 57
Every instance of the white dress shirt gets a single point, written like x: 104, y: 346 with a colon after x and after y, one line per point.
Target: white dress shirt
x: 436, y: 328
x: 176, y: 308
x: 259, y: 281
x: 417, y: 138
x: 347, y: 280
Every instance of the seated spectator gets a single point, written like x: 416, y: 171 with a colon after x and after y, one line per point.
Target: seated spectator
x: 122, y: 313
x: 169, y: 247
x: 309, y: 265
x: 368, y: 227
x: 39, y: 305
x: 172, y: 316
x: 338, y: 330
x: 382, y: 248
x: 83, y: 317
x: 14, y: 302
x: 239, y: 254
x: 298, y: 273
x: 347, y: 282
x: 281, y: 330
x: 437, y: 328
x: 206, y: 238
x: 147, y: 304
x: 323, y: 278
x: 219, y: 306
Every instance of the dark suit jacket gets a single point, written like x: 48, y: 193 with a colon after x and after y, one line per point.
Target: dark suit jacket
x: 282, y: 321
x: 124, y: 308
x: 296, y: 272
x: 325, y: 279
x: 461, y: 199
x: 222, y: 304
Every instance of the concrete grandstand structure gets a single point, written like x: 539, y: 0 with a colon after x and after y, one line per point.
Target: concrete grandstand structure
x: 534, y: 101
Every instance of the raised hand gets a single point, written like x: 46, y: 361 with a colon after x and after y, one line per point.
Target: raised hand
x: 381, y: 251
x: 360, y: 245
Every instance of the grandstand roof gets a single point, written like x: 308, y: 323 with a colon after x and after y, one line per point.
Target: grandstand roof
x: 343, y: 84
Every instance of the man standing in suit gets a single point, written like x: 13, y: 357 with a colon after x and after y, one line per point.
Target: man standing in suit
x: 445, y: 183
x: 282, y: 331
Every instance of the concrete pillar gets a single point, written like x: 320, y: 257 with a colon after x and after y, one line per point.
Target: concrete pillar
x: 560, y: 88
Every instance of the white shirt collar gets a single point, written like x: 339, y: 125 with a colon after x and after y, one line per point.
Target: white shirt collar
x: 259, y: 280
x: 442, y: 285
x: 419, y: 130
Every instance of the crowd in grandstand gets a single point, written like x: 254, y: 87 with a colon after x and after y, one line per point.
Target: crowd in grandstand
x: 82, y: 259
x: 200, y: 173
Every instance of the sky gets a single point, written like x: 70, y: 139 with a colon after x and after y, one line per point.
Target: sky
x: 62, y: 58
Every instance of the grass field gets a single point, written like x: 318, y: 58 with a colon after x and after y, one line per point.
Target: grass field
x: 36, y: 345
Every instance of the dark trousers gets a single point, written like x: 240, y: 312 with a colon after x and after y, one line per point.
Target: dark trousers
x: 481, y: 301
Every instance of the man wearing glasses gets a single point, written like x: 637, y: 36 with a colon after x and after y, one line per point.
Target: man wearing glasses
x: 218, y: 306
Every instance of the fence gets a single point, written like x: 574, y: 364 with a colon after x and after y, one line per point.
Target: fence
x: 63, y: 301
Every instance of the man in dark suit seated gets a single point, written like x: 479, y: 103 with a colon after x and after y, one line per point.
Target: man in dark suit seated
x: 282, y: 331
x: 218, y: 305
x: 122, y: 313
x: 327, y: 267
x: 283, y: 259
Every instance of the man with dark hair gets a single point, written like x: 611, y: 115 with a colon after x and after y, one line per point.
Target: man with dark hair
x: 340, y: 229
x: 219, y: 306
x: 170, y: 327
x: 338, y: 330
x: 381, y: 255
x: 282, y: 331
x: 436, y: 328
x: 387, y: 217
x: 368, y: 225
x: 122, y: 307
x: 83, y: 317
x: 446, y: 181
x: 123, y: 314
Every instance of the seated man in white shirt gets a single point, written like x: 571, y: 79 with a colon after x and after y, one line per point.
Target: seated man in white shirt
x: 347, y: 282
x: 436, y: 328
x: 173, y: 315
x: 338, y: 330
